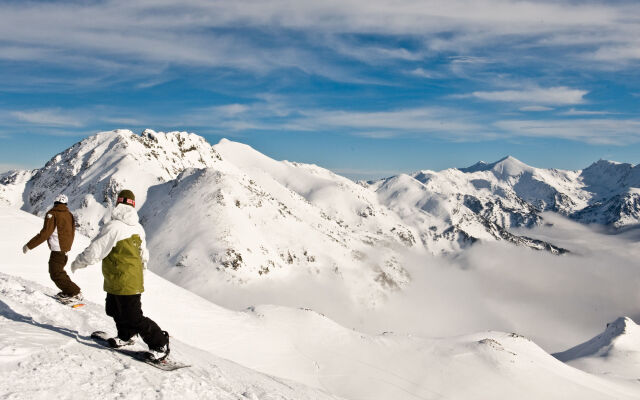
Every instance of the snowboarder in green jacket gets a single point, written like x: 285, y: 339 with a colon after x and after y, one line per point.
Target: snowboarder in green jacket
x: 122, y: 248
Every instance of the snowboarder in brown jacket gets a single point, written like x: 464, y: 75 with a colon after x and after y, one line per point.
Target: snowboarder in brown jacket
x: 58, y: 231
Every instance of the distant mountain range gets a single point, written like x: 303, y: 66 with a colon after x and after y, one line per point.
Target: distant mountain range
x: 485, y: 200
x: 229, y: 211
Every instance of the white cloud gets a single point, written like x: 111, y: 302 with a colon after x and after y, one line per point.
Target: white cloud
x: 560, y: 95
x: 48, y: 117
x: 379, y: 124
x: 196, y: 32
x: 230, y: 109
x: 4, y: 167
x: 573, y: 111
x: 618, y: 53
x: 593, y: 131
x: 423, y: 73
x: 279, y: 114
x: 126, y: 121
x: 535, y: 108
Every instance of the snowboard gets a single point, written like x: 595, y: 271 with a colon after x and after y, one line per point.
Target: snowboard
x: 70, y: 303
x: 167, y: 364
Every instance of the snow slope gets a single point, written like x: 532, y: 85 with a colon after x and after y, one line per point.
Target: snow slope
x: 45, y: 348
x: 613, y: 353
x: 252, y: 218
x: 46, y: 352
x: 12, y: 187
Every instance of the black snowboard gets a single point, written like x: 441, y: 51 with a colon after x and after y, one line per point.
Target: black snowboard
x: 167, y: 364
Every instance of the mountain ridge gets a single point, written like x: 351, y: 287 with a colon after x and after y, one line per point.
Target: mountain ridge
x: 229, y: 213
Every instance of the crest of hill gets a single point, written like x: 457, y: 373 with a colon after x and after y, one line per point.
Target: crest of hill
x: 615, y: 352
x: 93, y: 171
x: 507, y: 166
x: 442, y: 211
x: 251, y: 217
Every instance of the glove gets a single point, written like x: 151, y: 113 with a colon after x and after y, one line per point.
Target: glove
x: 76, y: 265
x: 25, y: 248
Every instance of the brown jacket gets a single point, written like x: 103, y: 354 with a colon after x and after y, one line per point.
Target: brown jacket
x: 58, y: 230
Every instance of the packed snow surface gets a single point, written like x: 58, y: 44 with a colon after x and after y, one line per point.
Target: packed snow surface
x: 46, y: 350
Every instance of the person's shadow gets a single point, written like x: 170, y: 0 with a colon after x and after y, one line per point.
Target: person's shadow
x: 10, y: 314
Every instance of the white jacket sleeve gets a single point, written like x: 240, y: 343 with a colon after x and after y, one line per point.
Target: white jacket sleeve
x: 144, y: 253
x: 99, y: 248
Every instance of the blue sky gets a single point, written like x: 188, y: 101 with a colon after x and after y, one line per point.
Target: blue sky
x: 367, y: 88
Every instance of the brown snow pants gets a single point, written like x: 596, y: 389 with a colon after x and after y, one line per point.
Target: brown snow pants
x: 57, y: 261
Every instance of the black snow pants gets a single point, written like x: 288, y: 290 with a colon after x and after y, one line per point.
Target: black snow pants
x: 126, y: 311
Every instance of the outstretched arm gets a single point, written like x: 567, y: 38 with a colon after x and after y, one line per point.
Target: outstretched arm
x: 47, y: 230
x: 97, y: 250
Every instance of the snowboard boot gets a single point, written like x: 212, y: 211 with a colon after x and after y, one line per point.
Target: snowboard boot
x: 116, y: 342
x: 66, y: 299
x: 160, y: 353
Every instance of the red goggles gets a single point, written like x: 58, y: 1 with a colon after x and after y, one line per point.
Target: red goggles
x: 124, y: 200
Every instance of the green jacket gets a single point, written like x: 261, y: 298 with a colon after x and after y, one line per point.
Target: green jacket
x: 123, y: 269
x: 122, y: 248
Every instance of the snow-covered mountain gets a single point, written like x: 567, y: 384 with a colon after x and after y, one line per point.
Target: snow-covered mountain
x: 94, y: 170
x: 12, y: 185
x: 484, y: 201
x: 251, y: 216
x: 613, y: 353
x: 227, y: 213
x: 264, y: 352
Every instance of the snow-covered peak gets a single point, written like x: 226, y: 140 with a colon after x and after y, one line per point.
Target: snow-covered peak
x: 479, y: 166
x: 505, y: 167
x: 605, y: 176
x: 337, y: 196
x: 510, y: 166
x: 12, y: 184
x: 615, y: 352
x: 620, y: 331
x: 93, y: 171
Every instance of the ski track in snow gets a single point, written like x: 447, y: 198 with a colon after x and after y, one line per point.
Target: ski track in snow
x: 46, y: 352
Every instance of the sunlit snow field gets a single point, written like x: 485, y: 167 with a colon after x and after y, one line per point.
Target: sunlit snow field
x: 557, y: 301
x: 542, y: 296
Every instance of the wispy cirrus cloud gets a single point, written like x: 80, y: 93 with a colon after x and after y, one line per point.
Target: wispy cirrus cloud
x: 277, y: 114
x: 617, y: 132
x: 448, y: 124
x: 421, y: 120
x: 49, y: 117
x: 279, y: 33
x: 72, y: 122
x: 574, y: 112
x: 560, y: 95
x: 423, y: 73
x: 535, y: 108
